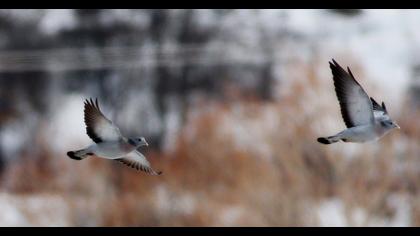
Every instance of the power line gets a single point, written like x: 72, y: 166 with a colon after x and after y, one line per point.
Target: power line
x: 125, y: 57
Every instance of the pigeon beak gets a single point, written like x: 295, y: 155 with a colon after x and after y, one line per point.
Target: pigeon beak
x: 397, y: 126
x: 146, y: 143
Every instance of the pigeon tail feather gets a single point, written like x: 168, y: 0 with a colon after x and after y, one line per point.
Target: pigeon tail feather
x: 78, y: 155
x: 327, y: 140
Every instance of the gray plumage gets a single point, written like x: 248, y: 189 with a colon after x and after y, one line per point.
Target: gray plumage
x: 109, y: 143
x: 365, y: 119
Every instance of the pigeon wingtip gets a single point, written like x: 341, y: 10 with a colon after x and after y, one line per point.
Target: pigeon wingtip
x: 96, y: 102
x: 333, y: 63
x: 348, y: 70
x: 383, y: 106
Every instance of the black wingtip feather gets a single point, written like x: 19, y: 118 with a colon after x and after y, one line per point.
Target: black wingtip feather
x: 383, y: 106
x: 336, y: 65
x: 336, y: 69
x: 375, y: 105
x: 351, y: 74
x: 373, y: 101
x: 139, y: 167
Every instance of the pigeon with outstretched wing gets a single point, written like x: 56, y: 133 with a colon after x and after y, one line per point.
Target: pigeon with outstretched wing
x: 365, y: 119
x: 109, y: 143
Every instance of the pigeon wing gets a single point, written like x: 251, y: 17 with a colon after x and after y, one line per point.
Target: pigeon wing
x: 98, y: 127
x: 379, y: 112
x: 355, y: 104
x: 138, y: 161
x: 376, y: 106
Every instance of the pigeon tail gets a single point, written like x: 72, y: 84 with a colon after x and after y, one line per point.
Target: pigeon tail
x: 78, y: 155
x: 327, y: 140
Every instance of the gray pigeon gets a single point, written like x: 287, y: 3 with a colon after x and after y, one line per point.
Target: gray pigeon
x: 365, y: 119
x: 109, y: 143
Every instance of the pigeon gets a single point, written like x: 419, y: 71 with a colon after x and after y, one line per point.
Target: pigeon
x: 365, y: 119
x: 109, y: 143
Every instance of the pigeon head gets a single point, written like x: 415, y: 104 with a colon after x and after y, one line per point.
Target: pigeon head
x: 386, y: 121
x: 389, y: 124
x: 138, y: 142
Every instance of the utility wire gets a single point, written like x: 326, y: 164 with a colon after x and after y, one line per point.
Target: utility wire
x: 125, y: 57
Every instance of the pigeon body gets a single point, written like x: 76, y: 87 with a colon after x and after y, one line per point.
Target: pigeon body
x: 365, y: 119
x: 109, y: 143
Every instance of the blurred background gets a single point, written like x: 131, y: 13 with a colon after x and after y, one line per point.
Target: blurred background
x: 231, y: 103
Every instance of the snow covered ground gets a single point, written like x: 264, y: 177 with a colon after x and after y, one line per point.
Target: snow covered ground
x: 332, y: 212
x: 33, y: 210
x: 53, y: 210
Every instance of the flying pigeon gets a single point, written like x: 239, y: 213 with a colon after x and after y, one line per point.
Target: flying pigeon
x: 109, y: 143
x: 365, y: 119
